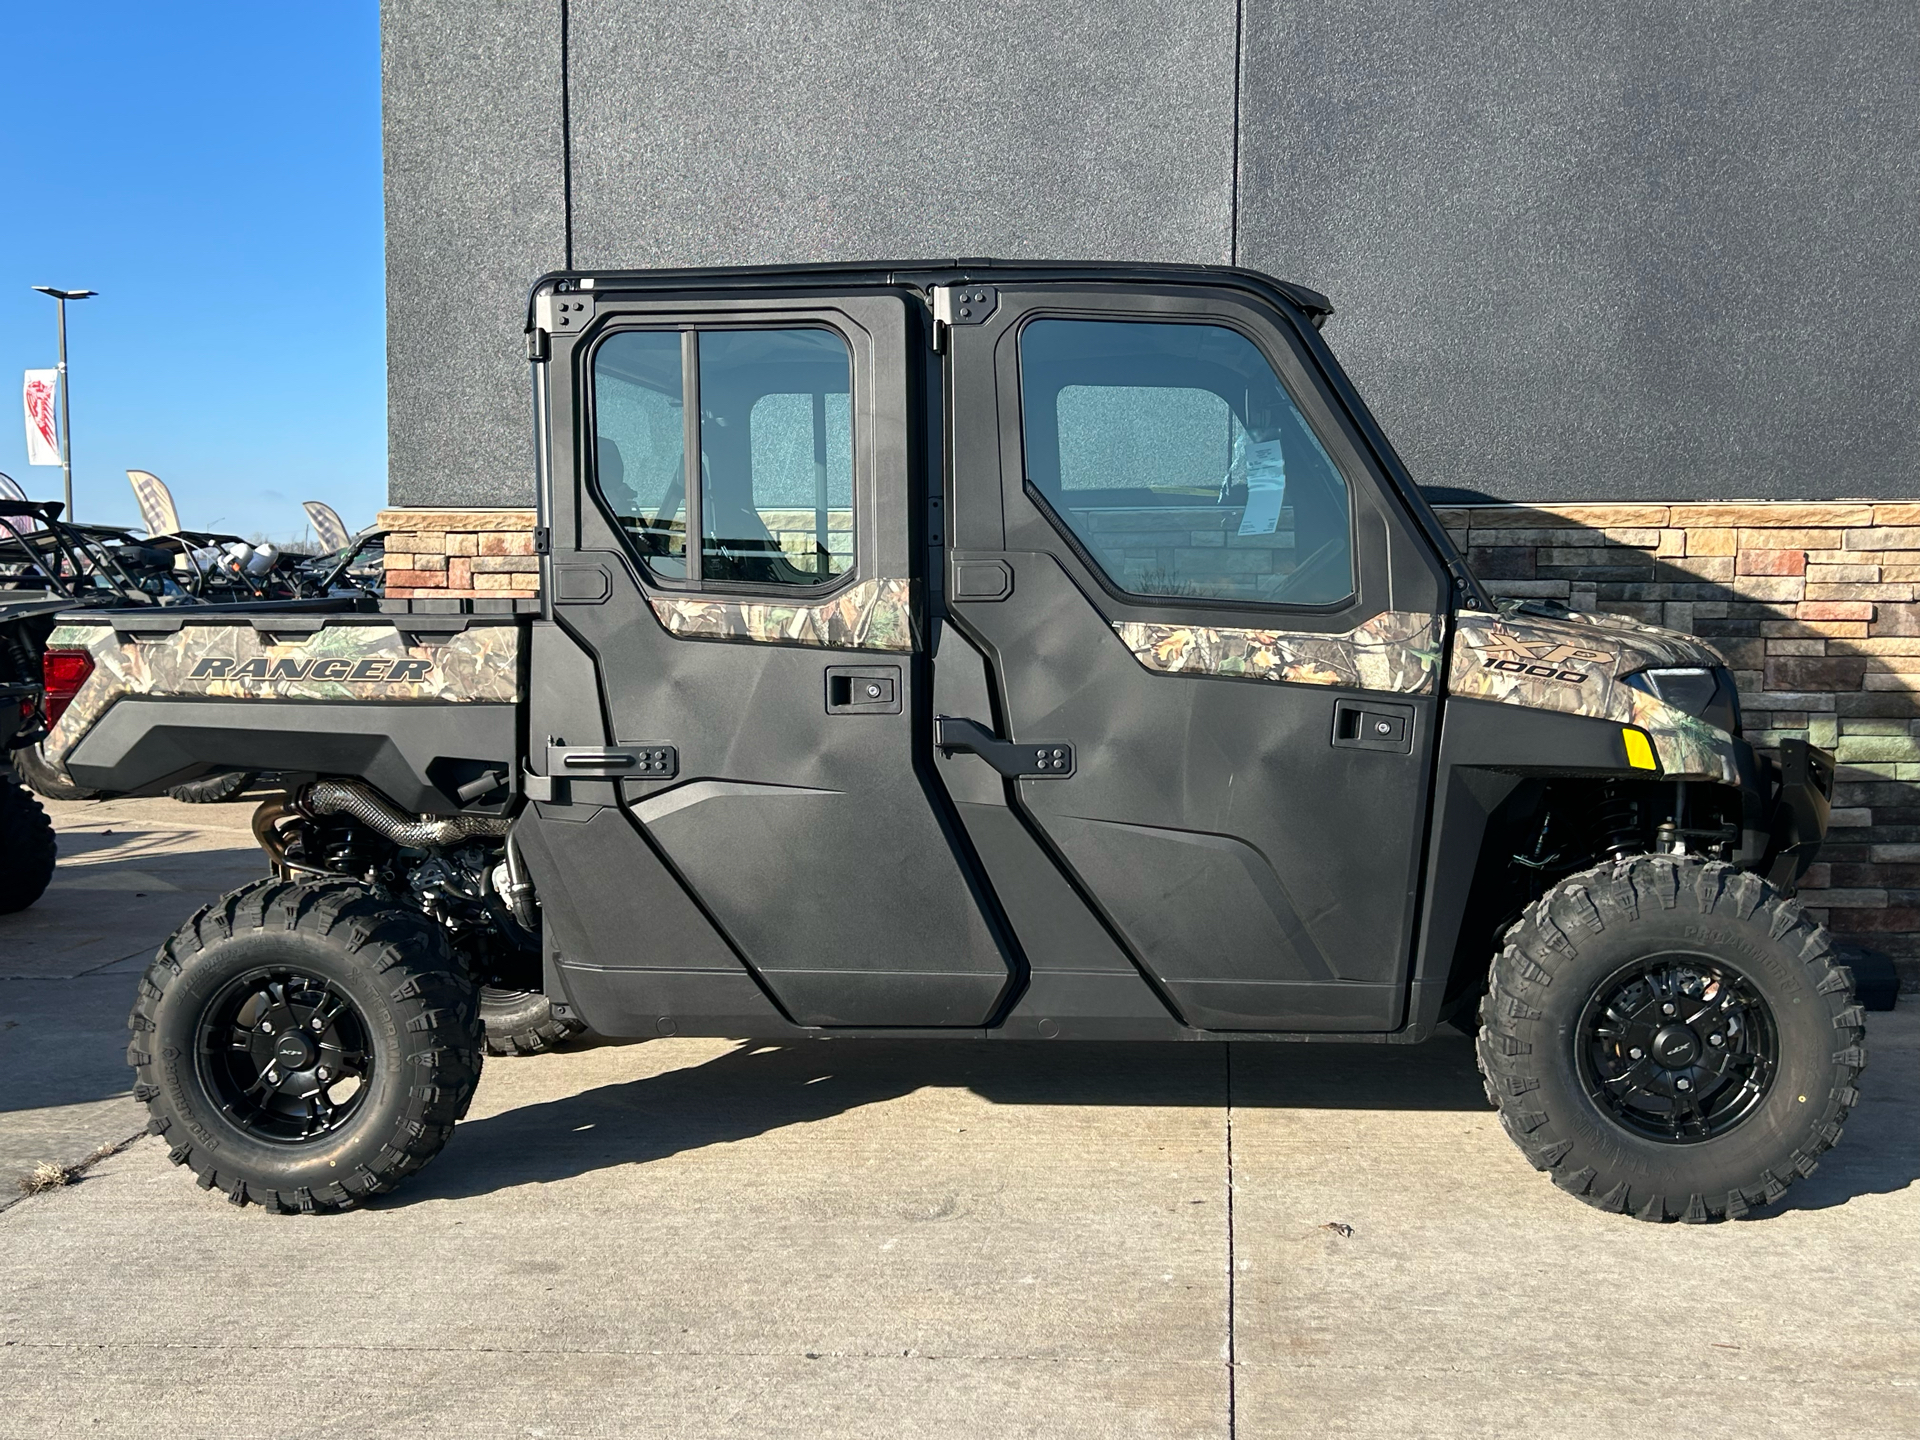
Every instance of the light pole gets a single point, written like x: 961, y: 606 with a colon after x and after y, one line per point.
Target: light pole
x: 61, y: 297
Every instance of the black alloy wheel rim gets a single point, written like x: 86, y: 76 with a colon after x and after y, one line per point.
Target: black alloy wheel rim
x: 1677, y: 1048
x: 287, y: 1055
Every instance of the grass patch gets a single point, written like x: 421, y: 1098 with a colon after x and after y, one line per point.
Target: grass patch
x: 49, y: 1176
x: 46, y: 1176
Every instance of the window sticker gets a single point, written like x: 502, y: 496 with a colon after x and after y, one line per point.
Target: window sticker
x: 1266, y: 481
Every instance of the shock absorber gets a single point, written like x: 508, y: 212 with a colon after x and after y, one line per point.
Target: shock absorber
x: 1616, y: 821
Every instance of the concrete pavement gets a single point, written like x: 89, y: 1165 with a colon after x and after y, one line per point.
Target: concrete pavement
x: 703, y: 1238
x: 129, y: 872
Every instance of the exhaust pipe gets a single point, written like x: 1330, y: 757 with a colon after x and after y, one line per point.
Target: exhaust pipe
x: 518, y: 890
x: 266, y: 828
x: 360, y: 801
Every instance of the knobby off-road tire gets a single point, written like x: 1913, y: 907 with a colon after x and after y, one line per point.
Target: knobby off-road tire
x: 1624, y: 982
x: 522, y: 1022
x: 211, y: 789
x: 289, y: 980
x: 46, y: 778
x: 27, y: 848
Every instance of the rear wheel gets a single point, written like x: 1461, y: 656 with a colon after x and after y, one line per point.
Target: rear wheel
x: 305, y: 1045
x: 1670, y: 1038
x: 211, y: 789
x: 27, y: 848
x: 46, y: 778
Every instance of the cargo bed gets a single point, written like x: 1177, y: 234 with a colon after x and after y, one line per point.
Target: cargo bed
x: 421, y: 705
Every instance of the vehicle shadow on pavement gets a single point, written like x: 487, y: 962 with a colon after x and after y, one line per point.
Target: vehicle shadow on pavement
x: 112, y: 901
x: 758, y: 1088
x: 1880, y: 1152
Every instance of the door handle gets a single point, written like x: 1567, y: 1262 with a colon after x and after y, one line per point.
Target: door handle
x: 609, y: 760
x: 863, y: 689
x: 1050, y: 761
x: 651, y: 762
x: 1368, y: 725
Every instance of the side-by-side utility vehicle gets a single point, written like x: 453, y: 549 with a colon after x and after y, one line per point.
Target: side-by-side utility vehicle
x: 986, y: 650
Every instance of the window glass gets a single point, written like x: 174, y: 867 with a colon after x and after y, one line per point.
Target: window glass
x: 1175, y: 456
x: 639, y: 443
x: 776, y: 451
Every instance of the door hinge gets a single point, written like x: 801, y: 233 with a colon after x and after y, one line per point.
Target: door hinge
x: 961, y: 305
x: 542, y: 540
x: 964, y: 304
x: 559, y: 312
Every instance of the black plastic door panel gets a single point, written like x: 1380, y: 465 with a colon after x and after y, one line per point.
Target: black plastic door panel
x: 1253, y: 841
x: 798, y: 817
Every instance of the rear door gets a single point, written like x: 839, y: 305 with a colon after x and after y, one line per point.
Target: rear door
x: 1184, y: 574
x: 764, y: 683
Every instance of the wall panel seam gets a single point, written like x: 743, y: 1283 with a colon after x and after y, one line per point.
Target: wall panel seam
x: 566, y: 128
x: 1233, y: 177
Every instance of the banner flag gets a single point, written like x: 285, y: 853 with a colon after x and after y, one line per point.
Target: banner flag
x: 156, y: 503
x: 328, y: 527
x: 43, y: 435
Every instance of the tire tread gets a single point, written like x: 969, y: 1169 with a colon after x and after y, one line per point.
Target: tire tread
x: 525, y: 1027
x: 435, y: 1002
x: 1621, y: 892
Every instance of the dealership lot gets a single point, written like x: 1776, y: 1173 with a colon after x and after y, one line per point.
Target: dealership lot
x: 709, y: 1238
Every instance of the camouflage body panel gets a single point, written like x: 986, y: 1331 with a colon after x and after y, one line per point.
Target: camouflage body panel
x: 1687, y: 747
x: 1577, y: 666
x: 873, y: 615
x: 236, y: 662
x: 1396, y: 651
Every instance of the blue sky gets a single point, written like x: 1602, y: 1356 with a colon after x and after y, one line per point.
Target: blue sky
x: 213, y: 170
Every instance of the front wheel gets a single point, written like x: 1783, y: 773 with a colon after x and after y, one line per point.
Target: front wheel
x: 305, y: 1045
x: 1670, y: 1038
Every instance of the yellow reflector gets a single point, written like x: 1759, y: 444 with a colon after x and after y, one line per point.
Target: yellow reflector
x: 1639, y: 750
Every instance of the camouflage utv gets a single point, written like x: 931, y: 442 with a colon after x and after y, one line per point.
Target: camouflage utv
x: 984, y: 651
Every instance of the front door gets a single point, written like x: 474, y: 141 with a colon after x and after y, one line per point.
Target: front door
x: 739, y: 566
x: 1177, y: 558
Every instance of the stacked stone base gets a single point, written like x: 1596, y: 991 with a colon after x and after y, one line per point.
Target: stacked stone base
x: 460, y: 555
x: 1812, y: 604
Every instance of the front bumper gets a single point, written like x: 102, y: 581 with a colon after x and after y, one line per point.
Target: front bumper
x: 1785, y: 805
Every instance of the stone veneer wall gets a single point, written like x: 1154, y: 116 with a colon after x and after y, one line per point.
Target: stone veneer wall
x: 1813, y: 606
x: 460, y: 554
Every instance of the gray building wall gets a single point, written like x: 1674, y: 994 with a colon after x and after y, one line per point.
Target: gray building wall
x: 476, y: 208
x: 1586, y: 251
